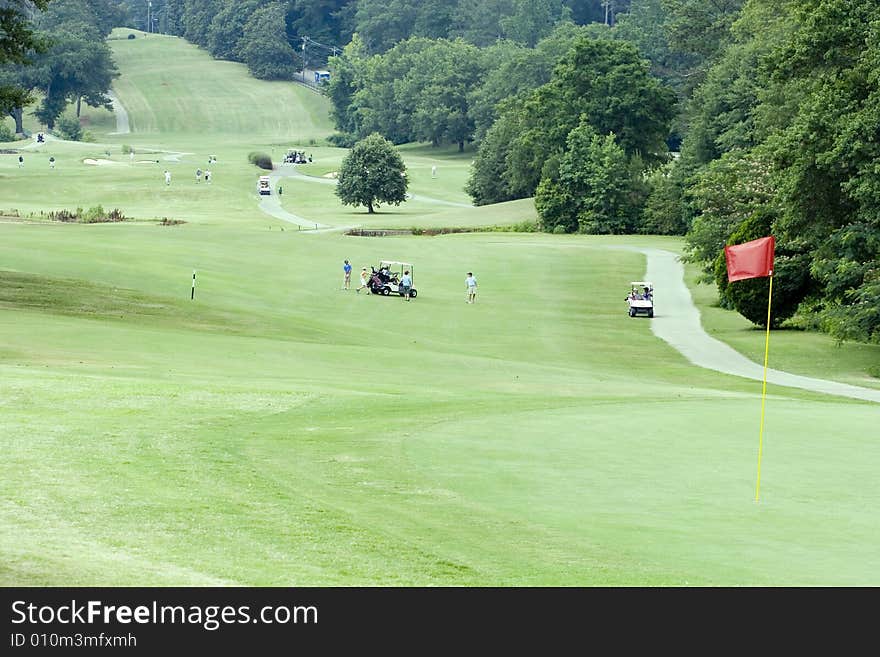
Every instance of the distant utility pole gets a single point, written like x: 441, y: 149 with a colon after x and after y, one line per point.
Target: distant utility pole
x: 149, y: 17
x: 609, y: 14
x: 305, y: 39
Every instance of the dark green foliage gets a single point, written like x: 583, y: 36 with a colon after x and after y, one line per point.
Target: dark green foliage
x: 595, y: 189
x: 792, y: 281
x: 602, y: 83
x: 69, y: 128
x: 665, y: 212
x: 228, y: 25
x: 263, y: 46
x: 261, y: 160
x: 196, y: 19
x: 372, y: 173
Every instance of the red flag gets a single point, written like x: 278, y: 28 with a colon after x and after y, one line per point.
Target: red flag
x: 750, y: 260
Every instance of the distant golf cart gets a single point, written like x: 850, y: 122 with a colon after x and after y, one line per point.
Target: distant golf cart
x: 641, y: 298
x: 264, y: 186
x: 386, y: 279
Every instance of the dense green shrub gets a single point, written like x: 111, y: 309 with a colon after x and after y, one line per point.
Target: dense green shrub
x: 261, y: 160
x: 69, y: 128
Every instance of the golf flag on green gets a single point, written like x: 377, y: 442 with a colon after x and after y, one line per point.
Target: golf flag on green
x: 750, y: 260
x: 755, y: 260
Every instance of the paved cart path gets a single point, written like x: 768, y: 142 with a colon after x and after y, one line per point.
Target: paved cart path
x: 677, y: 322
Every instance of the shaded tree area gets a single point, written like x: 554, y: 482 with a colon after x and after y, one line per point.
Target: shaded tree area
x: 581, y: 142
x: 326, y: 26
x: 74, y: 63
x: 783, y: 140
x: 18, y: 44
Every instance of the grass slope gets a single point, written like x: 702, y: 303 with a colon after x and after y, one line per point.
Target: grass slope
x: 277, y: 430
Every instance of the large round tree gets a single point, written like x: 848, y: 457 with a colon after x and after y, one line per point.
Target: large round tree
x: 372, y: 173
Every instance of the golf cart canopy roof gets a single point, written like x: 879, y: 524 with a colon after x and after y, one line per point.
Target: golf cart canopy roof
x: 642, y: 284
x: 392, y: 263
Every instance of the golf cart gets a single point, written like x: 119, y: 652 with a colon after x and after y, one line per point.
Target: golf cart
x: 641, y: 298
x: 264, y: 186
x: 386, y: 279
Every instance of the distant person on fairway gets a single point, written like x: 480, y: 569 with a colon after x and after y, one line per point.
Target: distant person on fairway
x: 207, y: 177
x: 167, y: 177
x: 51, y: 162
x: 346, y: 281
x: 364, y: 280
x: 434, y: 171
x: 198, y: 175
x: 406, y: 284
x: 131, y: 156
x: 20, y: 161
x: 471, y: 283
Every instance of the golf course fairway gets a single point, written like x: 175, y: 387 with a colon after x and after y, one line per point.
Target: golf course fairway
x: 277, y: 430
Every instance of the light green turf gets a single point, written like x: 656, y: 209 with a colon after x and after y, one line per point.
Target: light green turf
x: 279, y: 431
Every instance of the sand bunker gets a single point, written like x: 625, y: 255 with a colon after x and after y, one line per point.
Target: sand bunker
x: 332, y: 174
x: 99, y: 163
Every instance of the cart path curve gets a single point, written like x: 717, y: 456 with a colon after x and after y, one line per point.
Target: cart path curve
x: 271, y: 205
x: 122, y: 125
x: 677, y: 322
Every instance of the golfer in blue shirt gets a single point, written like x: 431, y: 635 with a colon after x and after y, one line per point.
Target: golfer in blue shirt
x: 346, y: 282
x: 406, y: 284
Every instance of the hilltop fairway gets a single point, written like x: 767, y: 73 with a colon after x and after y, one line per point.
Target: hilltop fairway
x: 279, y: 431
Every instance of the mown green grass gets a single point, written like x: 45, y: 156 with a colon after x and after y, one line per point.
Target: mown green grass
x: 276, y: 430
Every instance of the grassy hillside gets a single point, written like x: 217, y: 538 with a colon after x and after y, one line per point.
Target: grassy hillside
x: 172, y: 87
x: 277, y: 430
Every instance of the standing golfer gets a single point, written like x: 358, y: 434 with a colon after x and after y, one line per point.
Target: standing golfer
x: 346, y: 281
x: 365, y: 278
x: 471, y: 283
x: 406, y: 284
x: 198, y: 175
x: 51, y: 162
x: 20, y: 161
x: 167, y: 177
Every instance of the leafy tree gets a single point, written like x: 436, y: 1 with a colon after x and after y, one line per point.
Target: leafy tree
x: 488, y: 182
x: 792, y: 281
x: 595, y: 190
x: 826, y: 153
x: 17, y: 42
x: 348, y: 73
x: 196, y: 19
x: 727, y: 193
x: 479, y: 21
x: 532, y: 20
x: 665, y: 212
x: 383, y: 23
x: 327, y: 21
x: 372, y: 173
x: 228, y: 25
x: 264, y: 47
x: 512, y: 69
x: 604, y: 82
x: 645, y: 27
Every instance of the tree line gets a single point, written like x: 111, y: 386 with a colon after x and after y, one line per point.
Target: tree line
x: 63, y: 57
x: 723, y: 121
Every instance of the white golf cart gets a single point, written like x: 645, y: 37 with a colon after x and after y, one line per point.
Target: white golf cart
x: 641, y: 298
x: 386, y: 279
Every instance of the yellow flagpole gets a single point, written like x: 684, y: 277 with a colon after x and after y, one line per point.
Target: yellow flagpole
x: 764, y: 392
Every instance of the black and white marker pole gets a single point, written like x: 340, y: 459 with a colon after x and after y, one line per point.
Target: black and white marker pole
x: 193, y: 294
